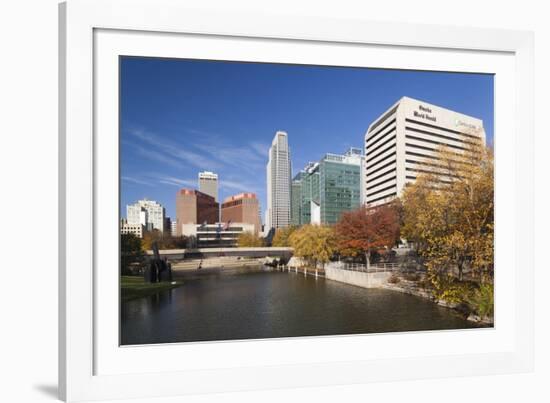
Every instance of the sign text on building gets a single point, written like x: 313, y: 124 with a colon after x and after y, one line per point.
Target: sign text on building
x: 424, y: 113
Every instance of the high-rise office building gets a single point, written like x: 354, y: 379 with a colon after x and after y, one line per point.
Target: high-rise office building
x: 278, y: 182
x: 403, y: 142
x: 174, y: 228
x: 242, y: 208
x: 208, y: 184
x: 296, y: 198
x: 194, y: 207
x: 148, y: 213
x: 323, y: 190
x: 167, y: 226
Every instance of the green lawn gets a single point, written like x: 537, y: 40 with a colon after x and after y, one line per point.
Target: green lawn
x: 132, y: 287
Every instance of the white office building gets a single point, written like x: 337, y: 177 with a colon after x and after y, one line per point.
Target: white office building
x: 173, y: 229
x: 402, y: 143
x: 208, y: 183
x: 135, y: 229
x: 217, y: 235
x: 148, y: 213
x: 278, y: 182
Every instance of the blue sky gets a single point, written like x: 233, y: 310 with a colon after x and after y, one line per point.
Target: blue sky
x: 179, y: 117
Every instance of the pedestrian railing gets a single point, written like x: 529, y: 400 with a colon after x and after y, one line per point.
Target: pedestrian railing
x: 373, y: 268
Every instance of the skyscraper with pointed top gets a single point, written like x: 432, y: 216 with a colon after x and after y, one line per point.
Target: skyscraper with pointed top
x: 278, y: 182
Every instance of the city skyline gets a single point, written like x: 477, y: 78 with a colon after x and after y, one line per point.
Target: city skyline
x: 181, y: 117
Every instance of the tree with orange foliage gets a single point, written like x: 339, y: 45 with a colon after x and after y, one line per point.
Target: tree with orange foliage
x: 364, y: 230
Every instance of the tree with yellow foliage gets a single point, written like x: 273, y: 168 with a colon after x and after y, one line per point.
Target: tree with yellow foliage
x: 150, y: 237
x: 448, y: 212
x: 249, y: 239
x: 314, y: 243
x: 282, y: 236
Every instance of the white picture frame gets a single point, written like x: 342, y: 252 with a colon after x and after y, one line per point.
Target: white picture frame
x: 92, y: 367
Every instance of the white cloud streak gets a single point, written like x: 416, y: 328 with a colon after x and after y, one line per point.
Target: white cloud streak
x: 172, y: 151
x: 260, y: 148
x: 137, y: 181
x: 170, y: 180
x: 205, y: 151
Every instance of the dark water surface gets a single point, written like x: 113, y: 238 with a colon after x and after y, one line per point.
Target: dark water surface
x: 274, y: 304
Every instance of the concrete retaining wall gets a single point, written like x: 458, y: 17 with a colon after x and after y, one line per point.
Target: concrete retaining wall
x: 358, y: 278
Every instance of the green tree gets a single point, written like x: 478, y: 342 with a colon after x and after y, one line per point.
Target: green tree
x: 131, y: 253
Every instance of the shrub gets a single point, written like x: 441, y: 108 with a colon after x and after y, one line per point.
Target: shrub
x: 394, y: 279
x: 481, y: 300
x: 425, y: 284
x: 452, y: 295
x: 411, y: 276
x: 447, y: 288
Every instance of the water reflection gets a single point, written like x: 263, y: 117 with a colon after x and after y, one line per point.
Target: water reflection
x: 264, y: 305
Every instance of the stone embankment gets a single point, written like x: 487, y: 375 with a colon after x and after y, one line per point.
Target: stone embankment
x: 414, y: 288
x: 396, y: 281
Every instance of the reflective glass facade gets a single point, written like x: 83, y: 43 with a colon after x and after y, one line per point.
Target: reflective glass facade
x: 340, y: 186
x: 334, y: 183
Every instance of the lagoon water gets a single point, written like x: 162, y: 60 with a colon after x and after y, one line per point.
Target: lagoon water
x: 275, y: 304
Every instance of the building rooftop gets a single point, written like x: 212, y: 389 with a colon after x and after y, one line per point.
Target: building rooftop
x: 405, y: 100
x: 208, y: 174
x: 240, y: 196
x: 194, y: 192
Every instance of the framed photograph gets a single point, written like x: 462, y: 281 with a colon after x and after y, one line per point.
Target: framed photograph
x: 258, y: 201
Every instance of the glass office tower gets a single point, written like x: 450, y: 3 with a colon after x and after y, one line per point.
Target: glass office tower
x: 327, y: 188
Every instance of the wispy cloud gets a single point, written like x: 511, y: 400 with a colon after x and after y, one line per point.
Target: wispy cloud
x: 155, y: 156
x: 234, y: 185
x: 237, y: 164
x: 261, y: 148
x: 170, y: 180
x: 237, y: 156
x: 248, y: 157
x: 137, y: 181
x: 172, y: 152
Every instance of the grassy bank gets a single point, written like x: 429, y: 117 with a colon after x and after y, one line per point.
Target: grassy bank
x: 132, y: 287
x: 474, y: 301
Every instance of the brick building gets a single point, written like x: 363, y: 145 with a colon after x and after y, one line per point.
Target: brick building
x: 242, y: 208
x: 194, y: 207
